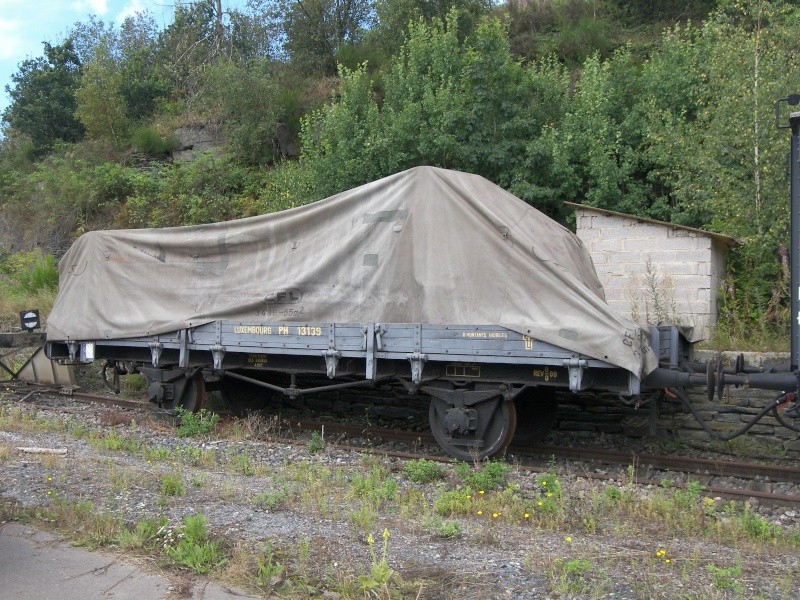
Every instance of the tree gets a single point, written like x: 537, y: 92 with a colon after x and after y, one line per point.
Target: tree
x: 723, y: 156
x: 143, y: 79
x: 101, y: 106
x: 395, y: 16
x: 43, y: 97
x: 194, y: 39
x: 459, y: 104
x: 245, y: 101
x: 315, y: 30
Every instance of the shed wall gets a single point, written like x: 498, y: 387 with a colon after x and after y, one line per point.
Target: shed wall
x: 653, y: 272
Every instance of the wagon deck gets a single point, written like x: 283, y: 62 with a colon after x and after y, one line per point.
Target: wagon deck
x: 415, y: 351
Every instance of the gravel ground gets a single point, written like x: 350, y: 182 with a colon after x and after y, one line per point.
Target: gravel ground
x: 239, y: 486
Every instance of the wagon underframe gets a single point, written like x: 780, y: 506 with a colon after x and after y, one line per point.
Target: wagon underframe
x: 476, y: 376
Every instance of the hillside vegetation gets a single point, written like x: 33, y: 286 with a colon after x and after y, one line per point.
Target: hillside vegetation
x: 663, y: 110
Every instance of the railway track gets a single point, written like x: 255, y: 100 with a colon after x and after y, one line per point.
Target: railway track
x: 703, y: 469
x: 639, y: 468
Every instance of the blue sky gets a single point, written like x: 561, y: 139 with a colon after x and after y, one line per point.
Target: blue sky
x: 25, y: 24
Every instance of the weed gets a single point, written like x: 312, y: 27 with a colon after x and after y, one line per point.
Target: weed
x: 442, y: 529
x: 86, y: 526
x: 146, y: 139
x: 143, y: 535
x: 191, y: 547
x: 172, y: 485
x: 655, y: 296
x: 687, y: 498
x: 757, y: 527
x: 29, y: 273
x: 262, y: 428
x: 449, y: 529
x: 612, y: 494
x: 726, y: 578
x: 423, y: 471
x: 272, y: 500
x: 303, y: 554
x: 316, y: 443
x: 267, y: 566
x: 156, y: 454
x: 191, y: 455
x: 119, y: 479
x: 380, y: 572
x: 244, y: 463
x: 198, y: 480
x: 491, y: 475
x: 377, y: 486
x: 451, y: 503
x: 570, y: 577
x: 413, y: 503
x: 112, y: 440
x: 192, y: 424
x: 364, y: 517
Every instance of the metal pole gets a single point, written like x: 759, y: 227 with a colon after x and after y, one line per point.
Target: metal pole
x: 794, y: 186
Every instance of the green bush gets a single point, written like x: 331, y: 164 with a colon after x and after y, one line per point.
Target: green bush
x: 172, y: 485
x: 423, y: 471
x: 149, y: 141
x: 316, y: 443
x: 192, y: 548
x: 192, y: 424
x: 490, y: 476
x: 377, y: 486
x: 451, y: 503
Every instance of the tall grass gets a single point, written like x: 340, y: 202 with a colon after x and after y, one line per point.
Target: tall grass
x: 27, y: 280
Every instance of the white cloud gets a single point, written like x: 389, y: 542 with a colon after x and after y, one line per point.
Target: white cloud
x: 130, y: 9
x: 97, y: 7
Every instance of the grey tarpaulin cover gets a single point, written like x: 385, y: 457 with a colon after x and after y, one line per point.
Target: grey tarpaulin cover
x: 426, y: 245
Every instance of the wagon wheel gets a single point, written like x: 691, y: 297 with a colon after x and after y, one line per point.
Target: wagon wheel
x: 194, y: 394
x: 469, y: 427
x: 537, y: 409
x: 240, y: 396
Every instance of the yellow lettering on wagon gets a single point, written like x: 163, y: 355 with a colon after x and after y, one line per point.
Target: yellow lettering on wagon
x: 545, y: 374
x: 253, y: 329
x: 306, y: 330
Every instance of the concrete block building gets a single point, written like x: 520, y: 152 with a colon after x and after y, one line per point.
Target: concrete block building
x: 654, y: 271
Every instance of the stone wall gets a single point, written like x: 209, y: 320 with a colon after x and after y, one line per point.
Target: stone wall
x: 670, y: 420
x: 196, y: 138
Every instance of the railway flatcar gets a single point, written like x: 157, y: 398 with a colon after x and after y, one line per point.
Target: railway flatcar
x: 433, y: 281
